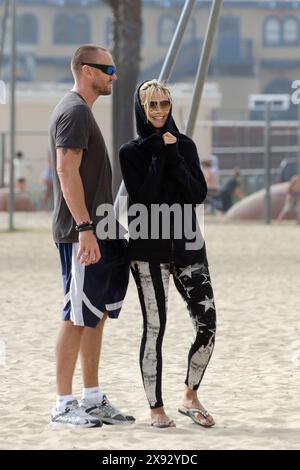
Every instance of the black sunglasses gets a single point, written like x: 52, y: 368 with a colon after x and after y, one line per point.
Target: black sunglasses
x: 164, y: 105
x: 108, y: 69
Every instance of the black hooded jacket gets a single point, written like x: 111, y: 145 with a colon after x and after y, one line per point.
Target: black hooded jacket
x: 155, y: 173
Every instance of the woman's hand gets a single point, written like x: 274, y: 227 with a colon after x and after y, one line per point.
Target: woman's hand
x: 169, y: 138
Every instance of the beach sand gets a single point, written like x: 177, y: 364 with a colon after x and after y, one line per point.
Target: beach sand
x: 251, y: 386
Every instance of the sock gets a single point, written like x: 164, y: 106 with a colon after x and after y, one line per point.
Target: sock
x: 62, y: 400
x: 92, y: 394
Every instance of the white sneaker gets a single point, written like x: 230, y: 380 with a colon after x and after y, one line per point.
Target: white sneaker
x: 74, y: 416
x: 106, y: 412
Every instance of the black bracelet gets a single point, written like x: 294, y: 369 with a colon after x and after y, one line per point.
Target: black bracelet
x: 85, y: 226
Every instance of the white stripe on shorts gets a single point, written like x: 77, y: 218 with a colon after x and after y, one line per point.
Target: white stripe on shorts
x: 76, y: 295
x: 91, y: 307
x: 114, y: 306
x: 67, y: 298
x: 76, y: 288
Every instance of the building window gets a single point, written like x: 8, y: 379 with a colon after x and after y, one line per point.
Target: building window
x: 272, y: 31
x: 290, y: 31
x: 27, y: 29
x: 81, y: 29
x: 62, y: 31
x: 229, y: 26
x: 71, y: 29
x: 166, y: 29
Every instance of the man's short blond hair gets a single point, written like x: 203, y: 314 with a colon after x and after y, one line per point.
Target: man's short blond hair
x: 85, y: 53
x: 147, y: 91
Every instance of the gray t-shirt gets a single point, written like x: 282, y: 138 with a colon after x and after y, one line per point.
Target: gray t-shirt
x: 72, y: 125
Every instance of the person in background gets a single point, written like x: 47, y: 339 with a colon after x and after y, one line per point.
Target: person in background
x: 212, y: 201
x: 215, y: 168
x: 230, y: 189
x: 47, y: 182
x: 21, y: 171
x: 291, y: 199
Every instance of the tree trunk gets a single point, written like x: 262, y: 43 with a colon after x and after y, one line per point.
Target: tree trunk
x: 127, y: 30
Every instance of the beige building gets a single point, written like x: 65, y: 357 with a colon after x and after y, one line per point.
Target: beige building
x: 256, y: 51
x: 256, y: 48
x: 35, y: 104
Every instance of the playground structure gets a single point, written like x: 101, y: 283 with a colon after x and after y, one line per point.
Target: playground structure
x: 202, y: 69
x: 252, y: 207
x: 237, y: 152
x: 22, y: 201
x: 164, y: 75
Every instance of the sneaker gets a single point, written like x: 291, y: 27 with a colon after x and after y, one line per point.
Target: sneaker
x: 106, y: 412
x: 74, y: 416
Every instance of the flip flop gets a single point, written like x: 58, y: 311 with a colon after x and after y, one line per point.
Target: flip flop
x: 192, y: 412
x: 163, y: 424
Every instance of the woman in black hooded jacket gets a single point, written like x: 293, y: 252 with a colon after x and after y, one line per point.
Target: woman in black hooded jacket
x: 161, y: 170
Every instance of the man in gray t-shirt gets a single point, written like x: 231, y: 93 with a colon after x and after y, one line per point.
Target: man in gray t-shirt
x: 73, y: 126
x: 95, y: 275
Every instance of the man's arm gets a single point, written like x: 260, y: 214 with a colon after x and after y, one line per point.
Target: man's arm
x: 67, y: 167
x: 239, y: 193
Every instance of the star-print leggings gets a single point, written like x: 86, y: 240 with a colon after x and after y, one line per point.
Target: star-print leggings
x: 194, y: 284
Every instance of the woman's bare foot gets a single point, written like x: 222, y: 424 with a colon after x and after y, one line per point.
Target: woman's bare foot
x: 159, y: 419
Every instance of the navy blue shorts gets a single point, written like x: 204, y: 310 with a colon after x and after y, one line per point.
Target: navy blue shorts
x: 90, y: 291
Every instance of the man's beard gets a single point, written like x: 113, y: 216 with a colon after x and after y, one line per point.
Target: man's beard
x: 101, y: 91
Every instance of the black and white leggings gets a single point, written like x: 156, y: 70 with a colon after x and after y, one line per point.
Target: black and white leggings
x: 194, y: 284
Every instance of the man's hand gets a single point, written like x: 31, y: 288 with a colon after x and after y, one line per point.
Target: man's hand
x: 169, y: 138
x: 89, y: 252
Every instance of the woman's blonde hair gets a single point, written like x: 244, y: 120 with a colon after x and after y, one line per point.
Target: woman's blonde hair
x: 147, y: 91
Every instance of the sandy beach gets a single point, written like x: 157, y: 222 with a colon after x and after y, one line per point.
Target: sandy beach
x: 251, y: 386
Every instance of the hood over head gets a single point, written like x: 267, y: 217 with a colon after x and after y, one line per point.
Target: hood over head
x: 143, y: 126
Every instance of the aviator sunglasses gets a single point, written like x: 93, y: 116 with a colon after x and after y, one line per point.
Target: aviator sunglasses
x: 108, y: 69
x: 163, y: 105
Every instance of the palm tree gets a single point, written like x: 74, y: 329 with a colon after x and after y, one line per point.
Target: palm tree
x: 127, y: 31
